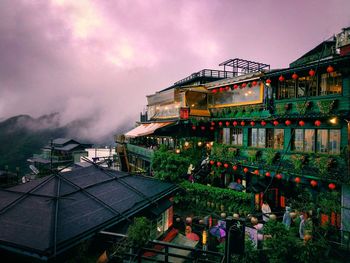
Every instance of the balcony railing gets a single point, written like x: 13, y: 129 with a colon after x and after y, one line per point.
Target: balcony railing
x: 140, y: 151
x: 209, y: 73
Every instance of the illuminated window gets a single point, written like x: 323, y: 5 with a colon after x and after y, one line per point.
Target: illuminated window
x: 331, y: 83
x: 237, y: 136
x: 278, y: 138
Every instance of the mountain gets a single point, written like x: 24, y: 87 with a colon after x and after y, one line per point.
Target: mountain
x: 22, y: 136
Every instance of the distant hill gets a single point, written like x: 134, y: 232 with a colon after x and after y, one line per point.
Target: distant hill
x: 22, y: 135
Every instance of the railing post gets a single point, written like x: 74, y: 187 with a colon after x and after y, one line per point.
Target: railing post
x: 166, y: 259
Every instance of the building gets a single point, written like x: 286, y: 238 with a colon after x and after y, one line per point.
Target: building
x: 44, y: 219
x: 277, y: 132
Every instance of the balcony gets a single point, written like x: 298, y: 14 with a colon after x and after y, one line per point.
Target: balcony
x: 206, y: 73
x: 144, y: 153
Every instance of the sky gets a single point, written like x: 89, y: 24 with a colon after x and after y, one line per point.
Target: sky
x: 97, y: 60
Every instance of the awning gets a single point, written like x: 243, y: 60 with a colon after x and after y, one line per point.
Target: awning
x: 146, y: 129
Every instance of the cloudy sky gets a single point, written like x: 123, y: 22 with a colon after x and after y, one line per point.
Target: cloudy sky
x: 99, y: 59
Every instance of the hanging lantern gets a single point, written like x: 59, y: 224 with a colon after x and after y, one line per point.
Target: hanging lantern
x: 301, y: 123
x: 212, y: 123
x: 330, y: 69
x: 214, y: 91
x: 212, y: 128
x: 288, y: 122
x: 234, y: 168
x: 256, y: 172
x: 221, y: 89
x: 242, y: 123
x: 263, y: 123
x: 312, y: 73
x: 235, y: 123
x: 227, y: 123
x: 227, y: 88
x: 203, y: 128
x: 235, y: 86
x: 268, y: 174
x: 212, y: 162
x: 281, y: 78
x: 313, y: 183
x: 317, y: 123
x: 245, y: 170
x: 218, y: 164
x: 268, y: 81
x: 297, y: 180
x: 275, y: 123
x: 220, y: 123
x: 252, y: 123
x: 226, y: 165
x: 331, y: 186
x: 254, y: 83
x: 244, y: 85
x: 295, y: 76
x: 279, y: 176
x: 194, y: 127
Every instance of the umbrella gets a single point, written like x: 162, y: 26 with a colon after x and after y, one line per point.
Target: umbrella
x: 236, y: 186
x: 192, y: 236
x: 217, y: 232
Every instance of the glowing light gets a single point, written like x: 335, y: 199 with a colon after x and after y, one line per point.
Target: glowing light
x: 177, y: 151
x: 200, y: 143
x: 333, y: 120
x: 187, y: 144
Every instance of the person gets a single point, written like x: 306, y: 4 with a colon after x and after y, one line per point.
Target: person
x: 266, y: 210
x: 302, y: 227
x: 189, y: 173
x: 287, y: 220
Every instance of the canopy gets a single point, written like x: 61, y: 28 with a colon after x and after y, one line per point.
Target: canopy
x: 146, y: 129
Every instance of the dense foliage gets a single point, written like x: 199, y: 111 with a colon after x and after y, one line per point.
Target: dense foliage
x: 139, y: 232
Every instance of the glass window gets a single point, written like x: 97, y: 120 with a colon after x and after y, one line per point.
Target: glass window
x: 254, y: 137
x: 302, y: 86
x: 331, y: 83
x: 299, y: 139
x: 334, y: 141
x: 290, y: 88
x: 261, y: 137
x: 226, y: 136
x: 309, y: 140
x: 237, y: 137
x: 269, y: 138
x: 322, y: 141
x: 278, y: 138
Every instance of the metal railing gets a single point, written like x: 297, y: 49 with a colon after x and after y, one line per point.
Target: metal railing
x: 209, y: 73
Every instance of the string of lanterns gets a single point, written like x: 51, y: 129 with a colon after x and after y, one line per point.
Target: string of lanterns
x: 312, y: 73
x: 236, y: 86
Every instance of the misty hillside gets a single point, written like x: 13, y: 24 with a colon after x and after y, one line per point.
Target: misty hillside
x: 22, y: 136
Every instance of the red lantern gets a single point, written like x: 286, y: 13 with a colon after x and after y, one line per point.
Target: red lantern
x: 281, y: 78
x: 235, y: 123
x: 297, y: 180
x: 295, y: 76
x: 317, y: 123
x: 279, y: 176
x: 212, y: 128
x: 256, y: 172
x: 252, y: 123
x: 275, y: 123
x: 244, y: 85
x: 214, y: 91
x: 331, y: 186
x: 263, y: 123
x: 234, y: 168
x: 301, y: 123
x: 212, y: 123
x: 221, y: 89
x: 242, y: 123
x: 267, y: 174
x: 227, y: 88
x: 268, y: 81
x: 235, y: 86
x: 220, y: 123
x: 203, y: 128
x: 313, y: 183
x: 312, y: 72
x: 212, y: 162
x: 245, y: 170
x: 226, y: 165
x: 194, y: 128
x: 218, y: 164
x: 254, y: 83
x: 330, y: 69
x: 227, y: 123
x: 288, y: 122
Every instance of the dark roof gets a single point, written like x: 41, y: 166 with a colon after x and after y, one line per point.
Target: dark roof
x: 51, y: 214
x: 62, y: 141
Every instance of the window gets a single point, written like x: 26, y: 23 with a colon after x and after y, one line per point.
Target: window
x: 278, y: 138
x: 287, y: 89
x: 320, y: 140
x: 232, y: 136
x: 331, y: 83
x: 237, y: 137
